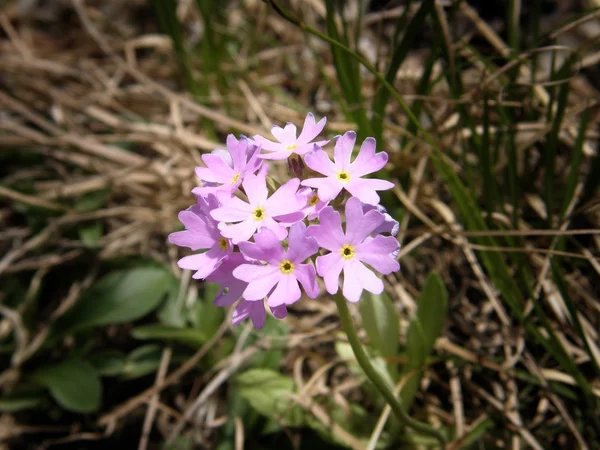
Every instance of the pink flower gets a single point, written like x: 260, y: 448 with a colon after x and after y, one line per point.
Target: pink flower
x: 201, y: 233
x: 341, y: 174
x: 231, y: 291
x: 260, y: 211
x: 351, y: 250
x: 225, y: 170
x: 314, y: 204
x: 279, y: 278
x: 288, y: 142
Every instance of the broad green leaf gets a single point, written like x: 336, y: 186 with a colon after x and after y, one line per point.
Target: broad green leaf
x: 119, y: 297
x: 142, y: 361
x: 74, y: 384
x: 423, y: 331
x: 189, y: 336
x: 108, y: 363
x: 22, y: 400
x: 268, y: 392
x: 381, y: 322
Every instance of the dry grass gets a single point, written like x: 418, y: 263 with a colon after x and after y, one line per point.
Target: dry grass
x: 91, y: 102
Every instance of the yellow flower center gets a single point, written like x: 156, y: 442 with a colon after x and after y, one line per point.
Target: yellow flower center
x: 259, y: 214
x: 235, y: 178
x: 347, y: 251
x: 223, y: 244
x: 291, y: 147
x: 343, y: 176
x: 286, y: 267
x: 313, y: 200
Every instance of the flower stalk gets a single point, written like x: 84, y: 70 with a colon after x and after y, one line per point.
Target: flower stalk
x: 376, y: 378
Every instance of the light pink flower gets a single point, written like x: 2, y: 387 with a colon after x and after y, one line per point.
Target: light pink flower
x: 260, y: 211
x: 225, y: 170
x: 232, y: 289
x: 350, y: 250
x: 279, y: 277
x: 341, y: 174
x: 288, y: 142
x: 201, y: 232
x: 314, y: 204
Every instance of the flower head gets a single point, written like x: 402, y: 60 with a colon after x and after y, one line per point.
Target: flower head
x: 288, y: 142
x: 314, y: 204
x: 201, y: 233
x: 350, y: 250
x: 225, y: 170
x: 279, y: 277
x: 260, y: 211
x: 342, y: 174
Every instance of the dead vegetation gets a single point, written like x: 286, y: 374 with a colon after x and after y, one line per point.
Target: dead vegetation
x: 95, y: 128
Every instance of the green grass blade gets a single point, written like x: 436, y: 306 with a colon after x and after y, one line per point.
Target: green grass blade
x: 576, y: 159
x: 414, y: 29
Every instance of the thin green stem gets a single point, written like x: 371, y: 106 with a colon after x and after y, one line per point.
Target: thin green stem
x: 376, y: 378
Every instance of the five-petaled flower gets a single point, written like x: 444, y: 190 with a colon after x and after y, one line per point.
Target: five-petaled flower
x: 279, y: 277
x: 342, y: 174
x: 201, y: 232
x: 350, y: 250
x: 288, y: 142
x: 260, y: 211
x: 225, y: 170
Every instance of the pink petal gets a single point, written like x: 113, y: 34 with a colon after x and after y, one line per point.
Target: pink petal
x: 216, y: 170
x: 320, y: 162
x: 235, y: 211
x: 240, y: 232
x: 237, y: 149
x: 359, y: 226
x: 256, y: 189
x: 305, y: 273
x: 260, y: 288
x: 311, y: 130
x: 254, y: 272
x: 284, y: 200
x: 286, y: 135
x: 329, y: 188
x: 279, y: 230
x: 329, y: 267
x: 203, y: 263
x: 356, y: 278
x: 254, y: 310
x: 286, y: 292
x: 364, y: 189
x: 300, y: 246
x: 378, y: 254
x: 329, y: 232
x: 268, y: 145
x: 279, y: 312
x: 266, y: 247
x: 343, y: 150
x: 367, y: 161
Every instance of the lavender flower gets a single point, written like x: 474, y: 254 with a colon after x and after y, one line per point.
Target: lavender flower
x: 279, y: 278
x: 225, y: 170
x: 350, y: 250
x: 288, y: 142
x: 260, y: 211
x: 201, y: 232
x: 341, y: 174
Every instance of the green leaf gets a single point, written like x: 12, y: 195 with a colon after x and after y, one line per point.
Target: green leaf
x: 108, y: 363
x: 74, y: 384
x: 381, y: 322
x: 22, y: 400
x: 92, y: 201
x: 90, y: 233
x: 119, y: 297
x: 189, y: 336
x: 433, y: 307
x: 268, y: 392
x: 142, y: 361
x: 423, y: 331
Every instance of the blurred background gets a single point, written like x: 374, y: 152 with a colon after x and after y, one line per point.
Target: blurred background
x: 490, y: 114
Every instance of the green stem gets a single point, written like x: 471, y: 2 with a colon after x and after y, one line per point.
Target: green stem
x: 376, y: 378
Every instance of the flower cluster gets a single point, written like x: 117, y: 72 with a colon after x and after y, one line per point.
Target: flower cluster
x: 259, y: 239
